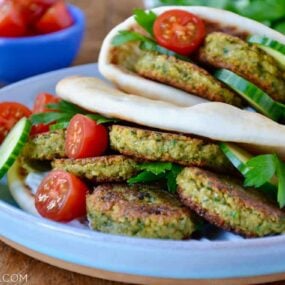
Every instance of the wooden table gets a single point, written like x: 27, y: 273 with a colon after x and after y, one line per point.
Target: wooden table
x: 102, y: 15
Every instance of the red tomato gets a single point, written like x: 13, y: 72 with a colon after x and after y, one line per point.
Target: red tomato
x: 12, y: 22
x: 34, y: 9
x: 56, y: 18
x: 85, y: 138
x: 10, y: 114
x: 40, y: 107
x: 61, y: 196
x: 179, y: 31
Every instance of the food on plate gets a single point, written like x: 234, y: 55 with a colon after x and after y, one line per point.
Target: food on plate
x: 149, y: 55
x: 21, y: 18
x: 184, y: 75
x: 224, y: 202
x: 162, y: 146
x: 61, y: 196
x: 10, y: 114
x: 111, y: 168
x: 45, y: 146
x: 162, y: 142
x: 138, y: 210
x: 249, y: 61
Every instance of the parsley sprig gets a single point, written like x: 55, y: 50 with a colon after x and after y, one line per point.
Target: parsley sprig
x: 158, y: 171
x: 62, y: 112
x: 146, y: 20
x: 263, y: 169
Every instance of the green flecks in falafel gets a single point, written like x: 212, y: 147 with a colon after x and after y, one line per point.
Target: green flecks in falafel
x: 224, y: 202
x: 45, y: 146
x: 138, y: 210
x: 111, y: 168
x: 186, y: 76
x: 226, y: 51
x: 169, y: 147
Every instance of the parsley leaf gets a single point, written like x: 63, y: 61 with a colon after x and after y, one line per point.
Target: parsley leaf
x: 260, y: 169
x: 264, y: 172
x: 66, y: 107
x: 101, y: 119
x: 156, y: 167
x: 158, y: 171
x: 50, y: 117
x: 145, y: 19
x: 124, y: 37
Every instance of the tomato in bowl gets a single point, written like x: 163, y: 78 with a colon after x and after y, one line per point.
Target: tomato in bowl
x: 25, y: 56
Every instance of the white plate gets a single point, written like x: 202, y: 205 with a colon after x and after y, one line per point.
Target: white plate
x: 221, y: 256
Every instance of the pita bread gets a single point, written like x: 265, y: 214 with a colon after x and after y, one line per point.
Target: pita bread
x: 218, y: 121
x: 114, y: 61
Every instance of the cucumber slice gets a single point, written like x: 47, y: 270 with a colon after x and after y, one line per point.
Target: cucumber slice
x: 257, y: 98
x: 13, y: 144
x: 271, y: 47
x: 237, y: 156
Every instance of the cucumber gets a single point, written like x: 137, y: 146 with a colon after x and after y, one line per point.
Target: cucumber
x: 257, y: 98
x: 13, y: 144
x: 236, y: 155
x: 271, y: 47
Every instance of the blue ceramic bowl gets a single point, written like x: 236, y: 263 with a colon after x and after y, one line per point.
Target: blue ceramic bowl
x: 28, y: 56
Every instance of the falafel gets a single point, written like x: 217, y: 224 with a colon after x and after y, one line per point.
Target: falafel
x: 168, y: 147
x: 186, y: 76
x: 138, y: 210
x: 225, y: 203
x: 226, y: 51
x: 111, y: 168
x: 45, y: 146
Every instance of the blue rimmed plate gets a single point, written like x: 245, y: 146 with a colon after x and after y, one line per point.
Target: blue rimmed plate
x: 222, y: 256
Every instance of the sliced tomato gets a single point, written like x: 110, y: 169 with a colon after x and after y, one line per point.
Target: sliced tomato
x: 179, y: 31
x: 12, y: 21
x: 85, y: 138
x: 61, y: 196
x: 56, y: 18
x: 40, y: 106
x: 10, y: 114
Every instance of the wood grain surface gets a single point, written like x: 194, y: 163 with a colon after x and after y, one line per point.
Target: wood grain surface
x: 101, y: 16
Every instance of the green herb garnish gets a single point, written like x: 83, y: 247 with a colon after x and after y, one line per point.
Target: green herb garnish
x: 262, y: 169
x: 158, y: 171
x: 145, y: 19
x: 62, y: 113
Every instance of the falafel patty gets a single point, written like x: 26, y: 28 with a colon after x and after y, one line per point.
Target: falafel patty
x: 45, y: 146
x: 138, y: 210
x: 168, y: 147
x: 186, y: 76
x: 111, y: 168
x: 226, y: 51
x: 225, y: 203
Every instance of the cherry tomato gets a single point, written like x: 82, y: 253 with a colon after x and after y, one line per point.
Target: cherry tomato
x: 34, y: 9
x: 179, y: 31
x: 40, y: 107
x: 61, y: 196
x: 12, y: 22
x: 10, y: 114
x: 56, y: 18
x: 85, y: 138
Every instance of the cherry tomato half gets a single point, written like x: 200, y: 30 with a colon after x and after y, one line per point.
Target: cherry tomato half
x: 85, y: 138
x: 56, y: 18
x: 10, y: 114
x: 179, y: 31
x: 12, y: 21
x: 40, y: 107
x: 61, y: 196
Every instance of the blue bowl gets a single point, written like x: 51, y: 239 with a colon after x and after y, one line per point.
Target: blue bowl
x: 27, y: 56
